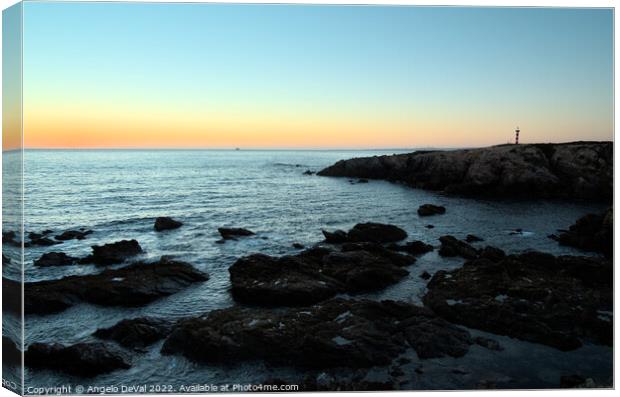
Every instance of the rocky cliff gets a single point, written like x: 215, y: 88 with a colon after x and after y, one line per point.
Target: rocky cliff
x: 565, y: 170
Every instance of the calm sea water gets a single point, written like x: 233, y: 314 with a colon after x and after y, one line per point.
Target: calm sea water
x: 119, y: 193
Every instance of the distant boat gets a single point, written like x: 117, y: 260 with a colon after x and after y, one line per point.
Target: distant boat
x: 237, y: 148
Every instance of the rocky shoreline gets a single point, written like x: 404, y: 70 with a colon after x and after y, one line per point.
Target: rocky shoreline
x: 576, y: 170
x: 292, y: 310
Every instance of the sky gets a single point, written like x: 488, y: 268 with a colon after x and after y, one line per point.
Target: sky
x: 105, y: 75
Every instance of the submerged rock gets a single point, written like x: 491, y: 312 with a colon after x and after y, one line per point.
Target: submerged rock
x: 568, y: 170
x: 314, y: 275
x: 55, y: 259
x: 166, y: 223
x: 472, y: 238
x: 425, y: 275
x: 81, y: 359
x: 450, y: 246
x: 556, y: 301
x: 109, y: 254
x: 366, y: 232
x: 9, y: 238
x: 136, y: 332
x: 229, y: 233
x: 591, y: 233
x: 430, y: 209
x: 134, y: 285
x: 338, y: 332
x: 38, y: 239
x: 73, y: 235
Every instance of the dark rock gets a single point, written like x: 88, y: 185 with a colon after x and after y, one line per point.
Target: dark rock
x: 571, y: 381
x: 591, y: 233
x: 358, y: 380
x: 73, y: 235
x: 55, y: 259
x: 35, y: 236
x: 11, y: 354
x: 43, y: 241
x: 366, y: 232
x: 377, y: 249
x: 403, y: 360
x: 308, y: 172
x: 313, y: 275
x: 429, y: 226
x: 488, y: 343
x: 450, y: 246
x: 338, y: 332
x: 229, y: 233
x: 425, y: 275
x: 109, y: 254
x: 9, y: 238
x: 376, y: 233
x: 533, y: 296
x: 493, y: 254
x: 335, y: 237
x: 81, y: 359
x: 298, y: 246
x: 430, y: 209
x: 166, y: 223
x: 412, y: 247
x: 575, y: 170
x: 134, y: 285
x: 472, y: 238
x: 136, y: 332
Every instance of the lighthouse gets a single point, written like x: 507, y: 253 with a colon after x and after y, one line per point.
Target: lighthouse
x: 517, y: 136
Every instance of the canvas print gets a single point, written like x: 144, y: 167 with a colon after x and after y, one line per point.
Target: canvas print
x: 203, y: 198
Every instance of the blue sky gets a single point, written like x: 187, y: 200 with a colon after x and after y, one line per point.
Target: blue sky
x: 342, y: 76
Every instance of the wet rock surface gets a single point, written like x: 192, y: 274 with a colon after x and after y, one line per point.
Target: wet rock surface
x: 430, y: 209
x: 231, y: 233
x: 337, y: 332
x: 567, y: 170
x: 366, y: 232
x: 166, y: 223
x: 134, y: 285
x: 109, y: 254
x: 315, y: 274
x: 73, y: 235
x: 556, y: 301
x: 592, y: 232
x: 81, y: 359
x: 55, y: 259
x: 450, y: 246
x: 136, y: 332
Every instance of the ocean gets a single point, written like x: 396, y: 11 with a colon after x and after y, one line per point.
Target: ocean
x: 119, y: 193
